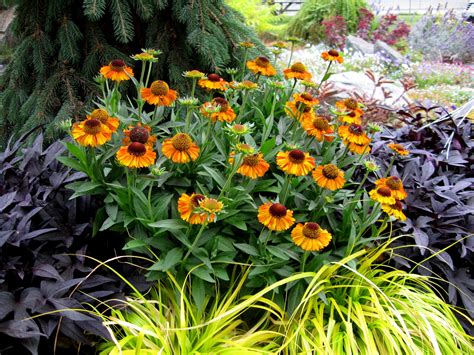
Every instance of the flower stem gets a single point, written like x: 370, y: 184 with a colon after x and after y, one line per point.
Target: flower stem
x: 242, y: 74
x: 324, y: 76
x: 196, y: 240
x: 242, y: 107
x: 235, y: 166
x: 387, y: 172
x: 291, y: 53
x: 285, y: 189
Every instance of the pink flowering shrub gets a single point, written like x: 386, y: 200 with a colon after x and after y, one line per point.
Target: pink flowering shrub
x: 335, y: 31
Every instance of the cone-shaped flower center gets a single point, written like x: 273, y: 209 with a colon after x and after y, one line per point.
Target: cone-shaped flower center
x: 211, y: 205
x: 398, y: 205
x: 251, y: 160
x: 307, y: 96
x: 214, y: 77
x: 394, y: 183
x: 239, y: 128
x: 277, y: 210
x: 244, y: 148
x: 321, y: 123
x: 92, y: 126
x: 356, y: 129
x: 100, y: 114
x: 196, y: 199
x: 139, y: 134
x: 159, y: 88
x: 298, y: 67
x: 262, y: 62
x: 352, y: 114
x: 330, y: 171
x: 384, y: 191
x: 351, y: 104
x: 248, y: 84
x: 333, y: 53
x: 296, y: 156
x: 117, y: 65
x: 136, y: 148
x: 222, y: 103
x: 311, y: 230
x: 181, y: 141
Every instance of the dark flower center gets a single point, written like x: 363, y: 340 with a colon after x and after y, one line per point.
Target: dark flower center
x: 352, y: 114
x: 251, y: 160
x: 262, y: 62
x: 222, y: 103
x: 333, y: 53
x: 196, y: 199
x: 139, y: 134
x: 100, y: 114
x: 356, y: 129
x: 303, y: 107
x: 277, y: 210
x: 92, y: 126
x: 117, y: 65
x: 384, y: 191
x: 398, y: 205
x: 296, y: 156
x: 321, y: 123
x: 181, y: 142
x: 311, y: 230
x: 394, y: 183
x: 307, y: 96
x: 214, y: 77
x: 136, y: 148
x: 330, y: 171
x: 159, y: 88
x: 298, y: 67
x: 351, y: 104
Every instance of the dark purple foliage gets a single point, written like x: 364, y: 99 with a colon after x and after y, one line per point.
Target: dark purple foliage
x: 439, y: 179
x: 42, y: 237
x: 335, y: 31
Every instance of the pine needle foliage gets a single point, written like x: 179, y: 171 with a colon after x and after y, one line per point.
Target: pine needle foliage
x: 63, y: 43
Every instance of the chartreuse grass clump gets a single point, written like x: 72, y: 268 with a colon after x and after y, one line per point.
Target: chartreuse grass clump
x: 354, y: 306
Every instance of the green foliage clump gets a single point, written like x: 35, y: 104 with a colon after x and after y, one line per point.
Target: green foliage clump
x: 62, y: 43
x: 306, y: 23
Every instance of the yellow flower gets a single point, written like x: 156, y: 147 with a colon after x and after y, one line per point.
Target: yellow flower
x: 247, y: 44
x: 295, y: 162
x: 357, y: 148
x: 194, y: 74
x: 159, y: 94
x: 297, y: 71
x: 383, y: 195
x: 354, y: 134
x: 275, y: 216
x: 91, y: 133
x: 213, y: 82
x: 299, y: 110
x: 136, y: 155
x: 351, y: 118
x: 180, y: 149
x: 349, y: 105
x: 394, y: 210
x: 319, y: 128
x: 188, y: 208
x: 329, y: 177
x: 306, y: 98
x: 399, y: 149
x: 261, y: 66
x: 117, y: 70
x: 252, y: 166
x: 310, y: 236
x: 395, y: 185
x: 225, y: 113
x: 332, y: 55
x: 246, y: 85
x: 104, y: 118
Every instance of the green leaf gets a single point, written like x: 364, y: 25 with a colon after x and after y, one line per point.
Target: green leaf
x: 85, y: 188
x: 214, y: 174
x: 198, y: 292
x: 135, y: 244
x: 203, y: 274
x: 327, y: 76
x: 172, y: 224
x: 237, y: 222
x: 172, y: 258
x: 109, y: 222
x: 247, y: 248
x: 72, y: 163
x: 278, y: 252
x: 268, y: 146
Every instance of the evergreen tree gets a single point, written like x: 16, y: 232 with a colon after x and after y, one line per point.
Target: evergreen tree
x: 63, y: 43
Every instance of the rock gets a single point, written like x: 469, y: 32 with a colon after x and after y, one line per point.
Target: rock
x: 359, y: 44
x: 6, y: 18
x: 361, y: 84
x: 387, y: 51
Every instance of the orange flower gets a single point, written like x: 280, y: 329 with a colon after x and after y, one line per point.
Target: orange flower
x: 117, y: 70
x: 136, y: 155
x: 332, y: 55
x: 225, y: 114
x: 180, y: 149
x: 188, y: 208
x: 357, y: 148
x: 213, y: 82
x: 351, y: 118
x: 295, y: 162
x: 299, y: 110
x: 349, y: 105
x: 399, y: 149
x: 383, y: 195
x: 261, y: 66
x: 104, y: 118
x: 329, y: 177
x: 395, y: 185
x: 306, y: 98
x: 310, y: 236
x: 275, y: 216
x: 91, y: 133
x: 211, y: 207
x: 354, y: 134
x: 252, y: 166
x: 139, y: 134
x: 159, y: 94
x: 318, y: 127
x: 395, y: 210
x: 297, y: 71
